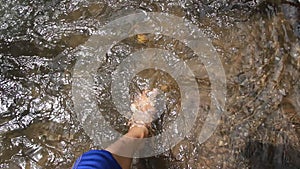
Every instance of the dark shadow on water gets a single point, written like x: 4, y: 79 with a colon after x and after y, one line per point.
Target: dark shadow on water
x: 269, y: 156
x: 151, y: 162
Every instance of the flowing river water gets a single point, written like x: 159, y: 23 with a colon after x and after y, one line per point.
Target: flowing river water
x: 258, y: 45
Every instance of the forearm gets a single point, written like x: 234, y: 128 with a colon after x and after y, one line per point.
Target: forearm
x: 127, y: 146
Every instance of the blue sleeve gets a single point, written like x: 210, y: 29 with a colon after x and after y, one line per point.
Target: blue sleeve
x: 96, y: 159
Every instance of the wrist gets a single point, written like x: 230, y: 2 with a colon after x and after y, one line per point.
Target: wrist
x: 138, y: 132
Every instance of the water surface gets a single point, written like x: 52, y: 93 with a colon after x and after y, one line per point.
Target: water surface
x: 258, y: 44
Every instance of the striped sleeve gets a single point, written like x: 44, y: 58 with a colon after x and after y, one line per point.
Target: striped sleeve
x: 96, y: 159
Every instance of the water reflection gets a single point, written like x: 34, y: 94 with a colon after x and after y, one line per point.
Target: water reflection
x: 258, y: 42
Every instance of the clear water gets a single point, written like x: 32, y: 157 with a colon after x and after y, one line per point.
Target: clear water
x: 257, y: 41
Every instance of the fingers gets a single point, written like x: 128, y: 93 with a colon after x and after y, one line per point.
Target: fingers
x: 145, y: 101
